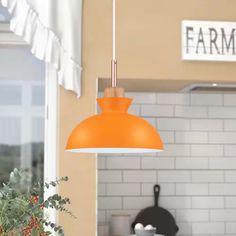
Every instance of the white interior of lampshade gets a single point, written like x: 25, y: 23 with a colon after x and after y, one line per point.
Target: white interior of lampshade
x: 114, y: 150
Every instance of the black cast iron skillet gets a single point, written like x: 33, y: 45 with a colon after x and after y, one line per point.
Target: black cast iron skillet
x: 157, y: 217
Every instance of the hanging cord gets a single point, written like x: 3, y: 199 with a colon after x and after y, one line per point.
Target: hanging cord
x: 113, y: 62
x: 114, y: 30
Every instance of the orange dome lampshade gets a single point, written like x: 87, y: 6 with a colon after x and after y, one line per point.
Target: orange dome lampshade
x: 114, y: 131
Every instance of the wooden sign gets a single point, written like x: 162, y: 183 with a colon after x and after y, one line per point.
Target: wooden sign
x: 209, y: 41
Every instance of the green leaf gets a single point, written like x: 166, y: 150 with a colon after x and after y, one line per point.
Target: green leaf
x: 34, y: 232
x: 52, y: 225
x: 46, y: 204
x: 17, y: 207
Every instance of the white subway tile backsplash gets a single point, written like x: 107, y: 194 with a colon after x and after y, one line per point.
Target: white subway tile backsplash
x: 231, y: 228
x: 157, y: 110
x: 207, y: 202
x: 230, y: 176
x: 191, y: 163
x: 140, y: 176
x: 207, y: 150
x: 101, y: 162
x: 173, y: 98
x: 207, y: 176
x: 230, y: 99
x: 178, y: 150
x: 174, y: 176
x: 230, y: 202
x: 157, y: 163
x: 101, y: 216
x: 123, y: 189
x: 173, y: 124
x: 191, y: 137
x: 208, y: 228
x: 230, y: 150
x: 207, y: 99
x: 175, y: 202
x: 222, y: 163
x: 206, y: 125
x: 230, y: 125
x: 109, y: 176
x: 222, y: 112
x: 101, y: 189
x: 196, y: 170
x: 222, y: 137
x: 190, y: 112
x: 223, y: 215
x: 123, y: 163
x: 222, y: 189
x: 109, y: 203
x: 137, y: 202
x: 192, y: 215
x: 192, y: 189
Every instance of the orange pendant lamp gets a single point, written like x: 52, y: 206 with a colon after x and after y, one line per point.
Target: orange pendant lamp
x: 114, y: 130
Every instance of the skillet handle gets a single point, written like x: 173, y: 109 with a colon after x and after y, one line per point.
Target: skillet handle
x: 156, y: 189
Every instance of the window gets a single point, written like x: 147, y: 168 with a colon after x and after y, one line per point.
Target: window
x: 23, y: 102
x: 22, y: 106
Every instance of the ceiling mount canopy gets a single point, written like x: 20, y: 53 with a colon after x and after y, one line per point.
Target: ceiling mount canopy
x: 114, y: 130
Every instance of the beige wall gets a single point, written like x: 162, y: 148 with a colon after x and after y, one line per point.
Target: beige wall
x: 148, y: 47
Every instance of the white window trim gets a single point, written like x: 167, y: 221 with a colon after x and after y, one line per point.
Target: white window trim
x: 24, y: 111
x: 51, y: 133
x: 7, y: 38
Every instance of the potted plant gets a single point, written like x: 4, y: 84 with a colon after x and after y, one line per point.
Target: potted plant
x: 22, y: 206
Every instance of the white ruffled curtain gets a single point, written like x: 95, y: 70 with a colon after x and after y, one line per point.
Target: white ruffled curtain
x: 53, y: 29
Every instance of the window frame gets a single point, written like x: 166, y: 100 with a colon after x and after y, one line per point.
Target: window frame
x: 24, y: 111
x: 8, y: 38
